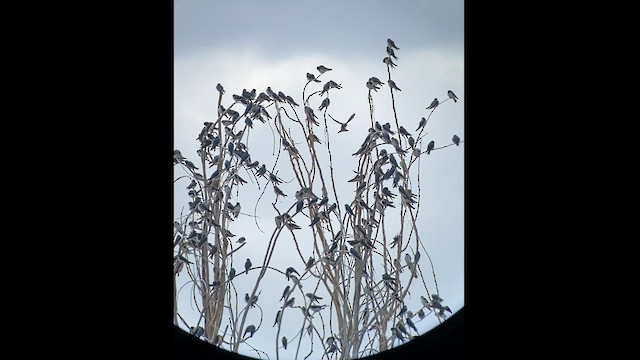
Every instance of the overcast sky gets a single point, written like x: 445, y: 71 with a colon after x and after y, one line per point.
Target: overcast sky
x: 246, y: 44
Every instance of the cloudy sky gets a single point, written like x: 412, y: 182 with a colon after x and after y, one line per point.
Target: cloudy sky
x: 246, y: 44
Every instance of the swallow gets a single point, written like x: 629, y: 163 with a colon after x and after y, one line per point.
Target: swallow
x: 290, y: 101
x: 247, y: 265
x: 393, y: 85
x: 355, y: 254
x: 411, y: 324
x: 391, y: 53
x: 324, y: 104
x: 403, y: 310
x: 323, y: 69
x: 196, y: 331
x: 343, y: 126
x: 416, y: 257
x: 273, y: 95
x: 456, y: 140
x: 285, y: 293
x: 284, y: 342
x: 220, y: 88
x: 422, y: 123
x: 430, y: 147
x: 250, y: 329
x: 311, y: 117
x: 311, y: 77
x: 312, y: 137
x: 397, y: 333
x: 412, y: 141
x: 289, y: 302
x: 261, y: 171
x: 232, y: 274
x: 289, y: 271
x: 421, y: 314
x: 391, y: 44
x: 189, y: 165
x: 278, y: 192
x: 313, y: 297
x: 425, y: 303
x: 374, y: 80
x: 277, y: 318
x: 241, y: 240
x: 333, y: 247
x: 434, y: 104
x: 452, y: 96
x: 309, y: 263
x: 389, y: 62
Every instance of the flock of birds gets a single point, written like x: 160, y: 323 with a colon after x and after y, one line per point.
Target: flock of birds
x: 234, y: 155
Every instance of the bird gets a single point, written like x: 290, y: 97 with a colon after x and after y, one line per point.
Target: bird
x: 192, y: 184
x: 355, y: 254
x: 277, y: 318
x: 349, y: 210
x: 311, y: 77
x: 456, y: 140
x: 324, y: 104
x: 411, y: 324
x: 323, y: 69
x: 397, y: 265
x: 241, y: 240
x: 290, y: 100
x: 309, y: 263
x: 430, y: 147
x: 333, y: 247
x: 286, y: 291
x: 403, y: 131
x: 436, y: 297
x: 261, y: 171
x: 393, y: 85
x: 290, y: 270
x: 434, y: 104
x: 403, y: 310
x: 273, y: 95
x: 220, y: 88
x: 250, y: 329
x: 416, y: 257
x: 389, y: 62
x: 343, y: 126
x: 421, y: 314
x: 232, y: 274
x: 452, y: 96
x: 278, y: 192
x: 391, y: 53
x: 290, y: 302
x: 247, y: 265
x: 284, y: 342
x: 391, y: 44
x: 425, y: 303
x: 422, y: 123
x: 312, y: 137
x: 313, y: 297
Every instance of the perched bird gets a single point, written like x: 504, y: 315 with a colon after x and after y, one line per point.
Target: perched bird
x: 261, y: 171
x: 290, y: 302
x: 247, y: 265
x: 430, y: 147
x: 284, y: 342
x: 250, y: 329
x: 425, y: 303
x: 393, y: 85
x: 355, y: 254
x: 392, y: 45
x: 311, y: 77
x: 313, y: 297
x: 422, y: 123
x: 411, y: 324
x: 389, y: 62
x: 277, y: 318
x: 312, y: 137
x: 285, y: 292
x: 403, y: 310
x: 289, y: 271
x: 456, y: 140
x: 324, y: 104
x: 232, y: 274
x: 434, y: 104
x: 309, y: 263
x: 391, y: 53
x: 412, y: 141
x: 421, y: 314
x: 323, y: 69
x: 403, y: 131
x: 221, y: 89
x: 290, y: 100
x: 452, y: 96
x: 241, y: 240
x: 278, y: 192
x: 416, y: 257
x: 397, y: 265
